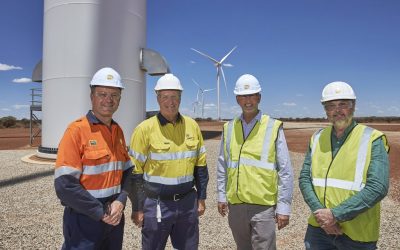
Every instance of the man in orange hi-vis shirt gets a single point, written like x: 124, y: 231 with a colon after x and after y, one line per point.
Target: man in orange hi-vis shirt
x: 92, y: 171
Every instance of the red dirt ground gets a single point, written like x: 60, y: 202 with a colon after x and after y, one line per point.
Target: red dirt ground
x: 297, y: 139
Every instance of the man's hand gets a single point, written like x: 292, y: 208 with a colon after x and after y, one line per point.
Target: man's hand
x: 223, y: 208
x: 114, y: 214
x: 335, y: 229
x: 282, y: 220
x: 201, y: 207
x: 325, y: 217
x: 137, y: 218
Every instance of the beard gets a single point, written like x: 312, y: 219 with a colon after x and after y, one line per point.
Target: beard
x: 344, y: 123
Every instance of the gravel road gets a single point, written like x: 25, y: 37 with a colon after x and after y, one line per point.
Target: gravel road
x: 31, y: 215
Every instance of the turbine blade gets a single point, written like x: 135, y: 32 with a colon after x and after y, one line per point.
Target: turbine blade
x: 223, y: 76
x: 196, y: 83
x: 223, y: 59
x: 206, y: 90
x: 209, y: 57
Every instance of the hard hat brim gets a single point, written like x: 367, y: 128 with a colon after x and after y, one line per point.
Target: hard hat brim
x: 108, y: 85
x: 333, y: 98
x: 247, y: 92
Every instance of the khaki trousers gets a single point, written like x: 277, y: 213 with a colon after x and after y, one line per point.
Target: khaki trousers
x: 253, y: 226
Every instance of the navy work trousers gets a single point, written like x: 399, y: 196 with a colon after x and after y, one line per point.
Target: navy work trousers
x: 82, y: 232
x: 179, y: 220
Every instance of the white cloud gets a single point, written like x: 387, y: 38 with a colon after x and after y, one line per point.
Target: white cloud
x: 22, y: 80
x: 20, y: 106
x: 289, y: 104
x: 5, y: 109
x: 192, y: 62
x: 5, y: 67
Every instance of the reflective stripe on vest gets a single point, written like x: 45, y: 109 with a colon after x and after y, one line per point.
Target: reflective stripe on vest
x: 168, y: 180
x: 263, y: 162
x: 357, y: 184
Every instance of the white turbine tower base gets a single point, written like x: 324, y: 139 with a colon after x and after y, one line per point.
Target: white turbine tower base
x: 218, y: 65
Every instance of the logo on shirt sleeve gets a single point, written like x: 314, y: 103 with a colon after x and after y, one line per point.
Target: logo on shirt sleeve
x: 92, y: 142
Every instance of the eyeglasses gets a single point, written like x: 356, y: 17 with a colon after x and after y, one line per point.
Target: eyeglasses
x: 164, y: 98
x: 112, y: 96
x: 341, y: 106
x: 249, y: 96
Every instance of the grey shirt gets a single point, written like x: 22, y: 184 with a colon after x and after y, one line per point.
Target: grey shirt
x: 284, y: 168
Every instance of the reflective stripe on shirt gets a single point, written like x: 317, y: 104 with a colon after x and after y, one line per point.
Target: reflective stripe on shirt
x: 168, y: 180
x: 173, y: 155
x: 105, y: 192
x: 103, y: 168
x: 67, y: 170
x: 137, y: 156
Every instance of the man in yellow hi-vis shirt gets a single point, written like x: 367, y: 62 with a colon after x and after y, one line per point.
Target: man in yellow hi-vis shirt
x: 170, y: 176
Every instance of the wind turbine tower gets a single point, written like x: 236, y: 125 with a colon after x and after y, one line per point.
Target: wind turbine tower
x: 220, y: 71
x: 201, y: 92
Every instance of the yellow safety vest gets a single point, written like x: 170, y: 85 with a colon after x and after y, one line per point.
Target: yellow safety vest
x: 167, y: 154
x: 335, y: 180
x: 251, y: 163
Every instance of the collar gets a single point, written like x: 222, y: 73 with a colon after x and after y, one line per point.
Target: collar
x: 163, y: 121
x: 255, y: 119
x: 93, y: 119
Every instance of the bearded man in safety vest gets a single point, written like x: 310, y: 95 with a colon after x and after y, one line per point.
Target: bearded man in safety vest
x: 92, y: 171
x: 254, y: 172
x: 170, y: 176
x: 344, y: 177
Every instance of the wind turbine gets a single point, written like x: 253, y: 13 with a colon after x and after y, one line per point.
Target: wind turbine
x: 218, y: 65
x: 201, y: 92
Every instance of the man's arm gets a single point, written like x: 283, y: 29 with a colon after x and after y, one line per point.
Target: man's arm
x: 306, y: 185
x: 67, y: 173
x: 221, y: 172
x: 285, y: 176
x: 376, y: 187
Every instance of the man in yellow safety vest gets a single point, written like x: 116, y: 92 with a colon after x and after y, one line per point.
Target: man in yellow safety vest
x: 255, y: 177
x: 344, y: 177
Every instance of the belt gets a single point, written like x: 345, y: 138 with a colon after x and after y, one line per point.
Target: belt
x: 172, y: 197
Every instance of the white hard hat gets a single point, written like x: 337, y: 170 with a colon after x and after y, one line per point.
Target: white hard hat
x: 107, y: 77
x: 337, y: 91
x: 168, y: 81
x: 247, y: 85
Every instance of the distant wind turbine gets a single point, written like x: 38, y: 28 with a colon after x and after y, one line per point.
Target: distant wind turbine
x: 218, y: 65
x: 201, y: 93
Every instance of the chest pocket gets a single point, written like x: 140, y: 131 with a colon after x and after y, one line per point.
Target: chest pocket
x: 96, y: 156
x: 160, y: 147
x: 192, y: 144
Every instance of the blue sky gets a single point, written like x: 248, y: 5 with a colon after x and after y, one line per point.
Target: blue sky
x: 293, y: 47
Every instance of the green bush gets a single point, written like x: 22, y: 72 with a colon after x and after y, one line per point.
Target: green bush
x: 8, y: 121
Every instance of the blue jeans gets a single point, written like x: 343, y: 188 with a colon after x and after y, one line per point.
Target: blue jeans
x: 317, y: 239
